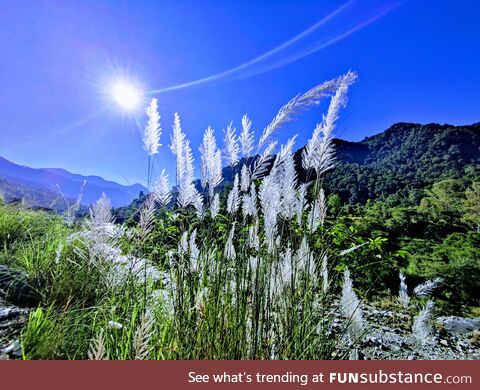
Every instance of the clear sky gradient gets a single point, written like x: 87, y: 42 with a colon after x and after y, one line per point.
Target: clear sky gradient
x: 419, y: 62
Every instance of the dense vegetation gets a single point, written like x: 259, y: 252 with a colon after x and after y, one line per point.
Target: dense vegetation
x: 256, y: 267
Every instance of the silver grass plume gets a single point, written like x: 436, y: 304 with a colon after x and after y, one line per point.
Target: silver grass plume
x: 97, y: 348
x: 246, y: 137
x: 285, y: 164
x: 350, y: 306
x: 229, y: 251
x: 249, y: 206
x: 99, y: 230
x: 253, y: 239
x: 324, y: 271
x: 422, y: 327
x: 153, y: 131
x: 147, y: 217
x: 186, y: 190
x: 211, y: 161
x: 425, y: 289
x: 261, y: 164
x: 245, y: 178
x: 301, y: 103
x: 319, y: 153
x: 183, y: 245
x: 141, y: 338
x: 194, y: 251
x: 215, y: 206
x: 161, y: 189
x: 286, y: 270
x: 177, y: 146
x: 100, y: 214
x: 350, y: 250
x: 304, y: 259
x: 403, y: 297
x: 233, y: 200
x: 253, y: 262
x: 231, y: 145
x: 72, y: 209
x: 270, y: 196
x: 318, y: 212
x: 199, y: 206
x: 301, y: 202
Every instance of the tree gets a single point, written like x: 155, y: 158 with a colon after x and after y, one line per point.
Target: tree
x: 471, y: 206
x: 443, y: 204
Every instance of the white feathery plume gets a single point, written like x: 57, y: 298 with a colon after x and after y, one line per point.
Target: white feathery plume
x: 270, y: 196
x: 425, y: 289
x: 211, y: 161
x: 244, y: 179
x: 246, y: 137
x: 194, y: 251
x: 97, y: 348
x: 287, y: 176
x: 278, y: 241
x: 141, y: 338
x: 301, y: 202
x: 215, y: 206
x: 229, y: 251
x: 302, y: 102
x: 403, y: 297
x: 231, y: 145
x: 177, y: 146
x: 350, y: 306
x: 187, y: 192
x: 178, y: 137
x: 101, y: 218
x: 199, y: 206
x: 161, y: 189
x: 318, y: 212
x: 183, y: 245
x: 285, y: 151
x: 262, y: 163
x: 253, y: 262
x: 286, y: 270
x: 325, y: 273
x: 249, y: 206
x: 422, y: 327
x: 233, y: 200
x: 304, y: 258
x: 253, y: 239
x: 319, y: 153
x: 147, y: 217
x: 151, y: 137
x: 350, y: 250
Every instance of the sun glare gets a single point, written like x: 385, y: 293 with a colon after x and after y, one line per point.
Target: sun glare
x: 126, y: 95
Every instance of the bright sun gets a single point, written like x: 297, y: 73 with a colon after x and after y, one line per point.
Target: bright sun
x: 126, y: 95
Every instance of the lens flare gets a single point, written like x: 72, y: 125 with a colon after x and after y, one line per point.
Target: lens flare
x: 126, y: 95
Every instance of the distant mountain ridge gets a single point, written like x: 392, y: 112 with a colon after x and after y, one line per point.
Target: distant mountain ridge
x: 402, y: 160
x: 40, y: 186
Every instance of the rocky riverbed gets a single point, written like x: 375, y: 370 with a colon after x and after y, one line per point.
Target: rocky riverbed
x: 12, y: 319
x: 388, y: 335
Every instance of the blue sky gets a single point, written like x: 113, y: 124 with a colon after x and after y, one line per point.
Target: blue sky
x: 58, y: 59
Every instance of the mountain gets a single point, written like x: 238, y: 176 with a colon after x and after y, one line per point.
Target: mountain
x: 400, y: 161
x: 39, y: 187
x: 403, y: 160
